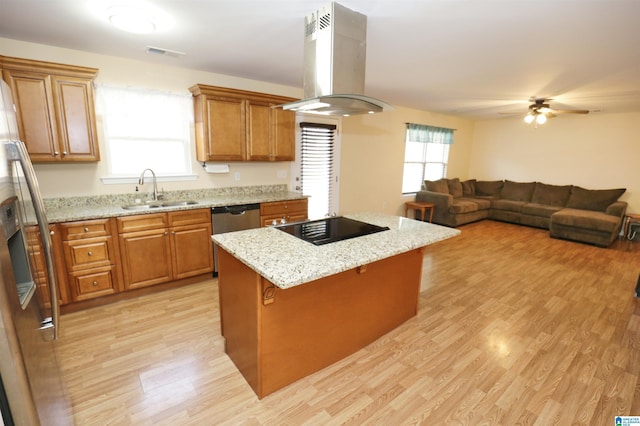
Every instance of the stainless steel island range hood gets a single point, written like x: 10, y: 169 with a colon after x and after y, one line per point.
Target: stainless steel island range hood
x: 334, y: 64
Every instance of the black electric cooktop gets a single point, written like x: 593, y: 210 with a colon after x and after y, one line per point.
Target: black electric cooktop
x: 330, y: 230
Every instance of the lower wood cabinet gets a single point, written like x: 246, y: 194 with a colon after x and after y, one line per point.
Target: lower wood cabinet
x: 38, y: 265
x: 278, y: 212
x: 162, y: 247
x: 91, y: 258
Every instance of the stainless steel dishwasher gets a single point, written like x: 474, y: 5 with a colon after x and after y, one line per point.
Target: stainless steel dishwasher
x: 233, y: 218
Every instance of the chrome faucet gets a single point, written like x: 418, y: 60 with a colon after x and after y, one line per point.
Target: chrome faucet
x: 155, y: 184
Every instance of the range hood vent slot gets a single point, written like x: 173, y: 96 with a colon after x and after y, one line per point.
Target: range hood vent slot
x: 334, y: 64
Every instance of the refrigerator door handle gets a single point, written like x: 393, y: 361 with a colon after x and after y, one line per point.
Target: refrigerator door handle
x: 22, y: 156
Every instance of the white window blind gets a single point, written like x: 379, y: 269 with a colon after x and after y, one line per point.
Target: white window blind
x: 146, y: 129
x: 317, y: 179
x: 426, y: 155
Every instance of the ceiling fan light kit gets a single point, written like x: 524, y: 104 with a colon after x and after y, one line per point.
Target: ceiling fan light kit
x: 540, y: 111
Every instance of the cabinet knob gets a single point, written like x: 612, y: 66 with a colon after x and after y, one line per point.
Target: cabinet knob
x: 166, y: 233
x: 64, y: 152
x: 52, y: 232
x: 90, y: 254
x: 86, y: 229
x: 173, y: 232
x: 95, y: 283
x: 55, y: 153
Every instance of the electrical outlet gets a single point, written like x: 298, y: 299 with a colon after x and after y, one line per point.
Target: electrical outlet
x: 236, y: 175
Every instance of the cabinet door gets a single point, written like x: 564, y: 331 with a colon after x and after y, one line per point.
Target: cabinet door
x: 146, y: 258
x: 226, y: 130
x: 259, y: 131
x: 33, y: 95
x: 192, y: 250
x: 38, y: 265
x: 283, y: 135
x: 76, y: 119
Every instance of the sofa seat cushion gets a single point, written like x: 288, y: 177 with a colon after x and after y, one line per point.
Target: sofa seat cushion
x: 483, y: 203
x: 463, y: 205
x: 508, y: 205
x: 544, y: 210
x: 586, y: 219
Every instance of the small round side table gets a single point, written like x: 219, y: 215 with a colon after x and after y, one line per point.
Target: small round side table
x: 421, y: 206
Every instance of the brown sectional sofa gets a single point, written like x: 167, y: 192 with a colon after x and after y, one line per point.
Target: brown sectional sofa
x: 569, y: 212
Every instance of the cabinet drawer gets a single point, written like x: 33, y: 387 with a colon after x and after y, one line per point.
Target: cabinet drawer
x: 142, y: 222
x: 189, y: 217
x: 282, y: 207
x: 86, y: 254
x: 99, y: 282
x: 278, y: 219
x: 85, y: 229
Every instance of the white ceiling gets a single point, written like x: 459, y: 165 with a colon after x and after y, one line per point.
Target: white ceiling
x: 474, y: 58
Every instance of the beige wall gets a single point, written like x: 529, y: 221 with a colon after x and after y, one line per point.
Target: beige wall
x: 372, y: 157
x: 58, y: 180
x: 595, y: 151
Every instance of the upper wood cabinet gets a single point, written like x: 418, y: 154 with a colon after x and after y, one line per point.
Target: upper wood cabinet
x: 54, y: 108
x: 238, y: 125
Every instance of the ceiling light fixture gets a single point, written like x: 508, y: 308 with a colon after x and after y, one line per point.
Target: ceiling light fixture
x: 132, y: 20
x: 134, y: 16
x: 529, y: 118
x: 538, y: 116
x: 541, y: 118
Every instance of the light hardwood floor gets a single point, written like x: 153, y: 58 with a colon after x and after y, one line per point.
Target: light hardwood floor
x: 513, y: 328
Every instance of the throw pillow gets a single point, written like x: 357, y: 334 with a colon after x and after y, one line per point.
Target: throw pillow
x: 484, y: 187
x: 593, y: 199
x: 469, y: 188
x: 439, y: 185
x: 517, y: 191
x: 455, y: 187
x: 551, y: 195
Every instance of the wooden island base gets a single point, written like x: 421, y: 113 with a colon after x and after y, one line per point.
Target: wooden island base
x: 277, y: 336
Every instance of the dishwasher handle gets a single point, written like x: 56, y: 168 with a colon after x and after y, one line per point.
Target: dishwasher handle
x: 235, y: 210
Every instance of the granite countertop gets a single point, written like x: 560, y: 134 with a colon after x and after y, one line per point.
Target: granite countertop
x: 287, y: 261
x: 104, y: 206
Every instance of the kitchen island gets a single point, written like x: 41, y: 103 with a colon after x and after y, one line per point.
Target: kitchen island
x: 289, y: 308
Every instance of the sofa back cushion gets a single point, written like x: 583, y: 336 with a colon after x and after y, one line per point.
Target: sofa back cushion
x: 439, y: 185
x: 593, y: 199
x: 455, y: 187
x: 551, y: 195
x: 485, y: 187
x: 517, y: 191
x: 469, y: 188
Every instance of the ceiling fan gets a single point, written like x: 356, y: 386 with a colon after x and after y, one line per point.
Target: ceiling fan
x: 540, y: 111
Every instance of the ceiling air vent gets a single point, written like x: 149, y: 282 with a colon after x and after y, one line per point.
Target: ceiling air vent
x: 164, y: 52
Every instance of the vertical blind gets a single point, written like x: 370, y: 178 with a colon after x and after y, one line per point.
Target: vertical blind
x: 317, y: 166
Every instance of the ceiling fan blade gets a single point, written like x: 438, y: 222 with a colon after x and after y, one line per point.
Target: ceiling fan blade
x: 571, y: 111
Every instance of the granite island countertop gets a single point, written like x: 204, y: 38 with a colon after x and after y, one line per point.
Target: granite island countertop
x: 68, y: 209
x: 287, y: 261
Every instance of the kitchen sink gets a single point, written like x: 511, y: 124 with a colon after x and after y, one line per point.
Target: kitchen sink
x: 157, y: 204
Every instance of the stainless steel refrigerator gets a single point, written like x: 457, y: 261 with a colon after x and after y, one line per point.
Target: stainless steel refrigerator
x: 31, y: 386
